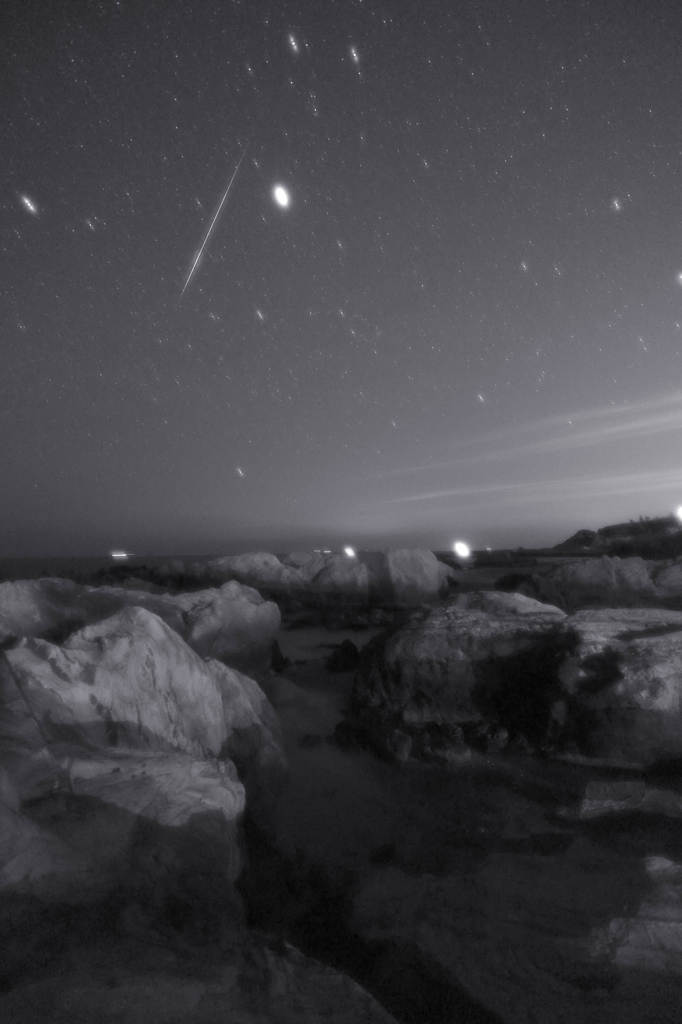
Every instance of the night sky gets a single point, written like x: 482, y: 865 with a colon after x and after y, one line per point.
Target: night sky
x: 465, y: 320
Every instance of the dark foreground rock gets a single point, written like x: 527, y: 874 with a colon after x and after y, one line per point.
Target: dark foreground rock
x: 482, y: 894
x: 138, y: 979
x: 432, y: 683
x: 492, y: 668
x: 596, y: 582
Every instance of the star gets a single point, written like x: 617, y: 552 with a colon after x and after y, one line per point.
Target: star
x: 29, y: 205
x: 354, y: 55
x: 281, y: 196
x: 616, y: 204
x: 240, y: 472
x: 293, y: 43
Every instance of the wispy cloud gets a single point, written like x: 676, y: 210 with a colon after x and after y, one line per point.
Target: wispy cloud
x: 566, y: 489
x: 565, y: 432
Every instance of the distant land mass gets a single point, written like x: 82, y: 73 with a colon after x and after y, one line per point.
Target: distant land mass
x: 659, y: 537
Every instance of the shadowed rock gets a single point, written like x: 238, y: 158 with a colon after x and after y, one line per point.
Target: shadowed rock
x: 588, y: 582
x: 430, y: 674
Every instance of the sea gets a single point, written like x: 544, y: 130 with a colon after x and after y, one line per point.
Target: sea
x: 81, y: 568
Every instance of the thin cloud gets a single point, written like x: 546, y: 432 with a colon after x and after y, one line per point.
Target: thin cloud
x: 569, y: 431
x: 565, y: 489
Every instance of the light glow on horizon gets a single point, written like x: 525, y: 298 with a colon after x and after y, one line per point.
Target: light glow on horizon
x: 461, y: 549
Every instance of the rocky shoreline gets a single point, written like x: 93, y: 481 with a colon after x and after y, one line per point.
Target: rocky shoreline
x: 436, y: 802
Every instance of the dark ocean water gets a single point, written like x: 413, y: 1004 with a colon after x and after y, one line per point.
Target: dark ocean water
x: 79, y: 568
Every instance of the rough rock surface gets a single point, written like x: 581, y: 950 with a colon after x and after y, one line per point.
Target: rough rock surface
x: 340, y: 580
x: 406, y: 577
x: 622, y: 684
x: 259, y: 569
x: 232, y: 623
x: 604, y: 683
x: 430, y: 675
x: 119, y: 743
x: 605, y: 581
x: 395, y: 578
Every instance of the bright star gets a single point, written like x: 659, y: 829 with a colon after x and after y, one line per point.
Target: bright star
x: 29, y: 205
x: 480, y: 397
x: 354, y: 55
x: 260, y: 315
x: 293, y: 43
x: 616, y: 204
x: 239, y: 471
x: 281, y: 196
x: 461, y: 549
x: 349, y: 552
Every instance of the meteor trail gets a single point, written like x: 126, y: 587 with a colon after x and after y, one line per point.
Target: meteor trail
x: 213, y: 222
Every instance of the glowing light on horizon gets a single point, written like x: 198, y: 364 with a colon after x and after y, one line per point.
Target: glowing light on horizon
x: 349, y: 552
x: 461, y: 549
x: 678, y: 513
x: 119, y: 555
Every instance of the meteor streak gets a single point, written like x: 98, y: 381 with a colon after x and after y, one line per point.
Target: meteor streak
x: 213, y: 222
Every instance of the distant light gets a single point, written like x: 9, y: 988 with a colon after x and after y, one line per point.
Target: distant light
x: 679, y: 277
x: 488, y: 549
x: 326, y: 551
x: 281, y: 196
x: 354, y: 55
x: 461, y: 549
x: 293, y: 43
x: 678, y: 512
x: 120, y: 555
x: 616, y: 204
x: 349, y: 552
x: 239, y: 471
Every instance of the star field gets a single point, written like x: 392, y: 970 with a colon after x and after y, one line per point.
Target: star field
x: 442, y: 297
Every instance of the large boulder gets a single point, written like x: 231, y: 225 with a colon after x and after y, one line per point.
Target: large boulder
x: 395, y: 578
x: 406, y: 577
x: 232, y: 623
x: 119, y: 751
x: 259, y: 569
x: 419, y: 687
x: 593, y: 582
x: 341, y: 580
x: 621, y: 685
